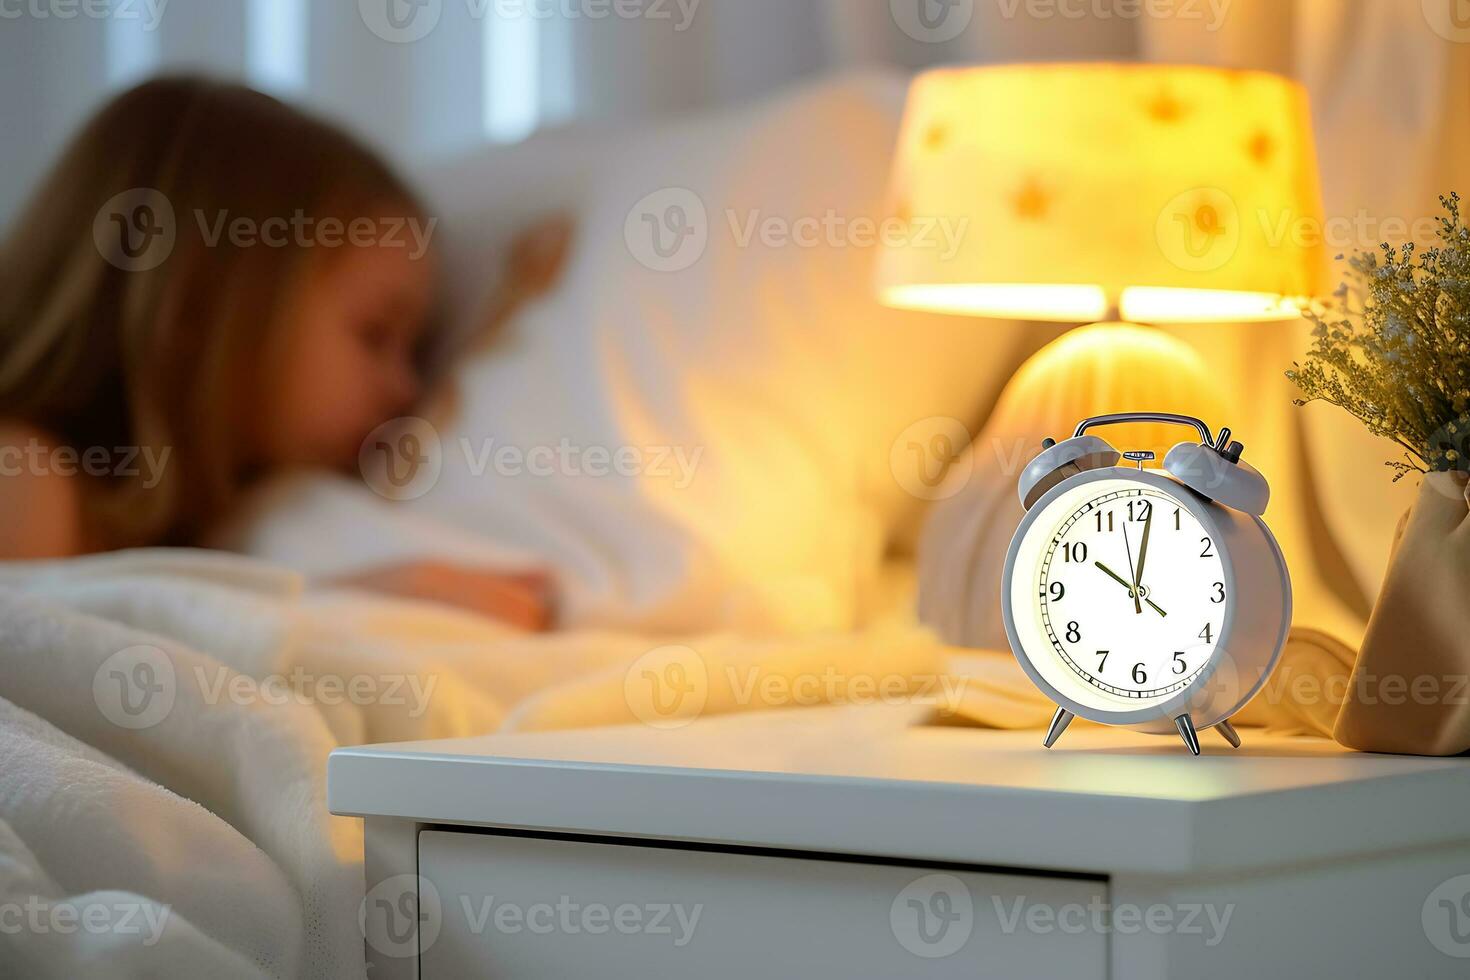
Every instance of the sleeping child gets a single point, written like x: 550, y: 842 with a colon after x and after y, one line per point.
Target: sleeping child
x: 210, y: 288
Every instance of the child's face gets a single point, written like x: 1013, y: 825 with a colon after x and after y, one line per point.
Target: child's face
x: 348, y: 363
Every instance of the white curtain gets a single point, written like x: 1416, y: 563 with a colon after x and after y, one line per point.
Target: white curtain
x: 1391, y: 94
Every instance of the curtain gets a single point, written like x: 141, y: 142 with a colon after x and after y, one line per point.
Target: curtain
x: 495, y: 69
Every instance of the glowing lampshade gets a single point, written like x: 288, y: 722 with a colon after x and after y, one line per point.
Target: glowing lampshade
x: 1164, y: 193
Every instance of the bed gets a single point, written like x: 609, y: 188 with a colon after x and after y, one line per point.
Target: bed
x: 166, y: 716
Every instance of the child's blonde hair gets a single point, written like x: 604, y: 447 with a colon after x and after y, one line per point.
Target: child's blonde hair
x: 99, y: 349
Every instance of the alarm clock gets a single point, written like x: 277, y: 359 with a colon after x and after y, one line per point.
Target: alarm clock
x: 1150, y: 598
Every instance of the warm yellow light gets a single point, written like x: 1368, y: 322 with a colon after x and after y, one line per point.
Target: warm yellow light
x: 1004, y: 300
x: 1161, y: 305
x: 1164, y: 193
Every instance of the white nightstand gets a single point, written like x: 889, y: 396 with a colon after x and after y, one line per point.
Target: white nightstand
x: 853, y: 843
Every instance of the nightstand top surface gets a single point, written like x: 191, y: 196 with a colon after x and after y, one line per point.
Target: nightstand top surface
x: 876, y: 781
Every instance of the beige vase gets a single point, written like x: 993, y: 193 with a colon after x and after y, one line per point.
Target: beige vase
x: 1410, y: 689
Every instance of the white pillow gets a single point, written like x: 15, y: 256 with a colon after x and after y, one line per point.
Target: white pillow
x: 722, y: 440
x: 756, y: 383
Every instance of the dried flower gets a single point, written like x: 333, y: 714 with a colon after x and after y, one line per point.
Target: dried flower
x: 1394, y: 350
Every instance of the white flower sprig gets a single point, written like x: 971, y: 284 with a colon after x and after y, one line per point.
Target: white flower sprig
x: 1394, y: 348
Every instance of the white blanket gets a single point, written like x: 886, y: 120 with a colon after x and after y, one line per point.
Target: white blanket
x: 165, y: 721
x: 166, y: 717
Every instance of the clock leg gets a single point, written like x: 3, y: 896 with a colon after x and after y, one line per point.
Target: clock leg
x: 1059, y: 723
x: 1228, y: 731
x: 1187, y: 732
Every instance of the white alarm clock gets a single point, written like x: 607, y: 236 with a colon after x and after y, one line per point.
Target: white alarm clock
x: 1155, y: 599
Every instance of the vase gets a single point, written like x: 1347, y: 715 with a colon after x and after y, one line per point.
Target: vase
x: 1410, y: 687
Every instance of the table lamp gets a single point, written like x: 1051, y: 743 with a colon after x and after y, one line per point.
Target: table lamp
x: 1147, y: 193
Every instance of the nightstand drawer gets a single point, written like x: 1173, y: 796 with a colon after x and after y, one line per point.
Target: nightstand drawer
x: 530, y: 907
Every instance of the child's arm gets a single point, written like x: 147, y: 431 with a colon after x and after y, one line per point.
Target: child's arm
x: 40, y: 507
x: 521, y: 600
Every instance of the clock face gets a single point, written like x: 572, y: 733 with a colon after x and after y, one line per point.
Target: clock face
x: 1131, y: 589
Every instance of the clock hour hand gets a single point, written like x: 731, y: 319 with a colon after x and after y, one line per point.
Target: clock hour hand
x: 1115, y: 577
x: 1124, y: 583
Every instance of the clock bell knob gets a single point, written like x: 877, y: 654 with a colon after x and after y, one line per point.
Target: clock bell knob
x: 1059, y: 460
x: 1219, y: 475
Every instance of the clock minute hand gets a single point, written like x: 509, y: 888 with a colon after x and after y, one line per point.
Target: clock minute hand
x: 1148, y: 525
x: 1132, y: 589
